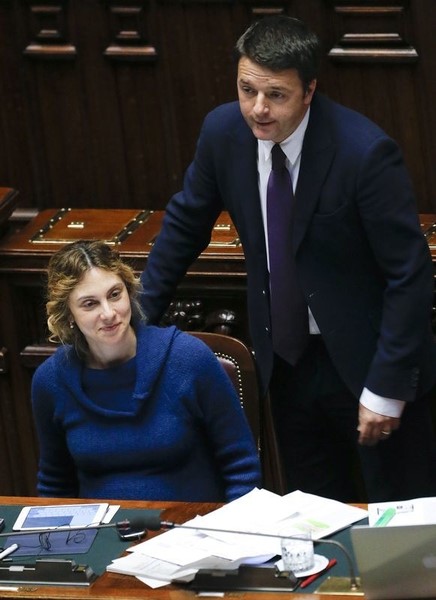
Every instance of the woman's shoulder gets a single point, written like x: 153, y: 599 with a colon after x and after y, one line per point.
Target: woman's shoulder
x: 61, y: 358
x: 178, y: 341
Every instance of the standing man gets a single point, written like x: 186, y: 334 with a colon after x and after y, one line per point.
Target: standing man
x: 340, y: 284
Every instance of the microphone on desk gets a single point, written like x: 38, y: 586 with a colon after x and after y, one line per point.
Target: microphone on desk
x: 339, y: 584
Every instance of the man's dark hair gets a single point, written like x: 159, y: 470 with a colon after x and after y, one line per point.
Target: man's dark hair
x: 281, y: 42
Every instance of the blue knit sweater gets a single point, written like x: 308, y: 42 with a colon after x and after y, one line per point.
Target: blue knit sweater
x: 167, y: 425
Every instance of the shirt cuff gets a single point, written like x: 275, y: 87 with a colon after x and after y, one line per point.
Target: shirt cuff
x: 387, y: 407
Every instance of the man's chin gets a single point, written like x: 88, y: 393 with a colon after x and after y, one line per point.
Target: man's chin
x: 263, y: 132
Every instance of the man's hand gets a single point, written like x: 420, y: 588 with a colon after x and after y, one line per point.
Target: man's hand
x: 373, y: 427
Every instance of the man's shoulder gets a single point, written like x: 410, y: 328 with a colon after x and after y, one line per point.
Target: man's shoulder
x: 225, y: 114
x: 226, y: 122
x: 228, y: 108
x: 343, y: 116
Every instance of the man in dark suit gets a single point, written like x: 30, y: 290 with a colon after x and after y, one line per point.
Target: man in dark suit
x: 360, y: 387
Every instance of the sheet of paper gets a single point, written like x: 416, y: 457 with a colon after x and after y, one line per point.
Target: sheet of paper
x: 110, y: 513
x: 322, y: 516
x: 152, y: 583
x: 140, y: 564
x: 178, y: 546
x: 149, y: 567
x: 257, y: 508
x: 419, y: 511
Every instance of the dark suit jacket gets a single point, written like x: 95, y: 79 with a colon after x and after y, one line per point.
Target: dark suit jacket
x: 363, y: 263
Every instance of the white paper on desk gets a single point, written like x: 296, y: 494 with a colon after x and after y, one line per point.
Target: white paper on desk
x: 139, y: 564
x: 212, y: 562
x: 231, y: 546
x: 419, y: 511
x: 259, y: 511
x: 179, y: 546
x: 148, y: 567
x: 186, y: 574
x: 152, y: 572
x: 153, y: 583
x: 291, y: 513
x: 323, y: 516
x: 257, y: 508
x: 184, y: 546
x: 110, y: 513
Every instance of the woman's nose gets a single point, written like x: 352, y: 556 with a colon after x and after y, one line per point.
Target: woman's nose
x: 107, y: 310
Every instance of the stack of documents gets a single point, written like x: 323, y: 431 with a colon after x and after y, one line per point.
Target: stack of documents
x: 179, y: 553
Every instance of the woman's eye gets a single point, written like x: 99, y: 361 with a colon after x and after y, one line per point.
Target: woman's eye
x: 88, y: 304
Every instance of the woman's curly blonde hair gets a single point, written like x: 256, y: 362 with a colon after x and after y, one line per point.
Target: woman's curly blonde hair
x: 66, y: 269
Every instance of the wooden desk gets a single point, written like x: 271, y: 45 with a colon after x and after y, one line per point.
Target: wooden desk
x: 114, y: 586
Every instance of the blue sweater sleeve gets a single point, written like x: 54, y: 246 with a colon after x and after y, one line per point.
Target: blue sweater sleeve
x: 56, y: 472
x: 215, y: 403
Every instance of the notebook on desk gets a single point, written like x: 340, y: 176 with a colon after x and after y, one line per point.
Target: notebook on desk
x: 396, y: 562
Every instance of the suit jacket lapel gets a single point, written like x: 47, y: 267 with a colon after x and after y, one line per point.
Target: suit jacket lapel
x: 316, y: 157
x: 246, y: 202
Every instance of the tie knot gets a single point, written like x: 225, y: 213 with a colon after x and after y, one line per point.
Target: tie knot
x: 278, y: 158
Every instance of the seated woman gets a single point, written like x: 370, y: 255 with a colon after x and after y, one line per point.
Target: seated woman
x: 130, y: 411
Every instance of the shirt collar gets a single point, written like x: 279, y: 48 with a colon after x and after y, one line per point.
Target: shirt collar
x: 291, y: 146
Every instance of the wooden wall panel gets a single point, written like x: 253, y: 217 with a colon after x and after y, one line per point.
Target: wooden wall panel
x: 103, y: 99
x: 372, y: 32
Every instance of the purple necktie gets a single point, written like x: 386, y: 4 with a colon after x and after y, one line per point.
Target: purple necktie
x: 289, y: 318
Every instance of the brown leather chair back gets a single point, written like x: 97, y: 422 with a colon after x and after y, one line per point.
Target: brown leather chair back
x: 238, y: 362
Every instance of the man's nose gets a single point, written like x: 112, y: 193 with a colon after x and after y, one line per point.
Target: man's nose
x: 261, y: 104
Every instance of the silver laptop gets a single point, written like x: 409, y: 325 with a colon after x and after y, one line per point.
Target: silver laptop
x: 396, y: 562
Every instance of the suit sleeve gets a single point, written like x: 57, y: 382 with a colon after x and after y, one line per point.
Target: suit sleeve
x: 186, y: 232
x: 389, y: 216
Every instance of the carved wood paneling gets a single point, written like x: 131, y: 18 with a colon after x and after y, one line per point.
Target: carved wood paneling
x: 129, y: 33
x: 372, y: 32
x: 116, y: 124
x: 47, y: 27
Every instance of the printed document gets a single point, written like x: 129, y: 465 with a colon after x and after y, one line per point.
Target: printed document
x: 420, y: 511
x: 247, y: 530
